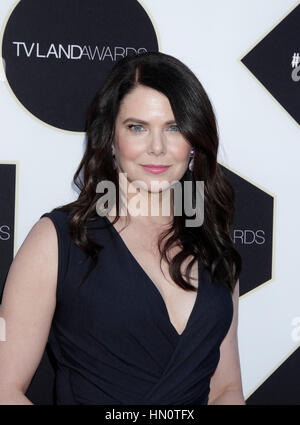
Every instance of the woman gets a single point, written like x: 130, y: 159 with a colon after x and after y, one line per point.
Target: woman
x: 139, y: 308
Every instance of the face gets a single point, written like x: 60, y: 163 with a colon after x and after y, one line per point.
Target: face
x: 146, y: 135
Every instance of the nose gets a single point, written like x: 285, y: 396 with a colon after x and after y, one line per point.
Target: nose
x: 157, y: 143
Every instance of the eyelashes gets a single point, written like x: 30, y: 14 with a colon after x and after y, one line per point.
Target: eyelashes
x: 132, y: 127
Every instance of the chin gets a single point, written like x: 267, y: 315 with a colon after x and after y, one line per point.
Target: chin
x: 158, y: 186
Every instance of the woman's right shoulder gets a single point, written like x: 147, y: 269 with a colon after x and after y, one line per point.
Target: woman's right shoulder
x: 44, y: 228
x: 35, y: 264
x: 47, y: 233
x: 57, y: 215
x: 55, y: 220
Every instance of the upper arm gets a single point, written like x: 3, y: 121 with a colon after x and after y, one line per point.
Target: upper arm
x: 28, y: 305
x: 228, y: 373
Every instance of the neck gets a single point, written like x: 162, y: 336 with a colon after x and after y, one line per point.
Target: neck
x: 148, y: 208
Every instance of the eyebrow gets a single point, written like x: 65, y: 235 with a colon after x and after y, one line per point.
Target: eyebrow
x: 144, y: 122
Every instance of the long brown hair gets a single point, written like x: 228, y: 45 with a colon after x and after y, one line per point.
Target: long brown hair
x: 211, y: 242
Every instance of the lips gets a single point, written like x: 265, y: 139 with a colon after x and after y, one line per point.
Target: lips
x: 155, y: 169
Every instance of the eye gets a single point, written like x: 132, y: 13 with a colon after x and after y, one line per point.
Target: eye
x: 174, y: 127
x: 135, y: 128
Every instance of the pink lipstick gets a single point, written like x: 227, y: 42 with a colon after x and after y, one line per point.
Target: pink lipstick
x: 155, y: 169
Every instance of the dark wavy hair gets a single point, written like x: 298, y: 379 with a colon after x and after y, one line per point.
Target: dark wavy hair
x: 211, y: 242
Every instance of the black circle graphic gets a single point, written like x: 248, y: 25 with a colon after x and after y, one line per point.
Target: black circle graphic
x: 58, y: 52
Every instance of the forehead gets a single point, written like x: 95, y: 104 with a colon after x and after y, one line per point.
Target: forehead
x: 145, y: 100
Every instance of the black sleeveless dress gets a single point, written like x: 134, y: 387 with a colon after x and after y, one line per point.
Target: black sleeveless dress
x: 112, y: 337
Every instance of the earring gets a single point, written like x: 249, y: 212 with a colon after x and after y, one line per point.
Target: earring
x: 191, y: 163
x: 113, y: 158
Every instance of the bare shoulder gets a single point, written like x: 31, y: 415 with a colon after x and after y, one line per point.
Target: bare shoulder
x: 36, y: 263
x: 40, y: 248
x: 42, y: 231
x: 28, y: 305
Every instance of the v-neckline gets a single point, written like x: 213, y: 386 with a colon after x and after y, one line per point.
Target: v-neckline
x: 155, y: 289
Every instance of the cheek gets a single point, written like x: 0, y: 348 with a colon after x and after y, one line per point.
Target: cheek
x: 128, y: 149
x: 181, y: 152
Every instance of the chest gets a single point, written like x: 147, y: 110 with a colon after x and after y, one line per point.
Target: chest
x: 143, y: 248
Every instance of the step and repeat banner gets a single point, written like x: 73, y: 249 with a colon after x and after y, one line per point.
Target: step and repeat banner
x: 55, y: 55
